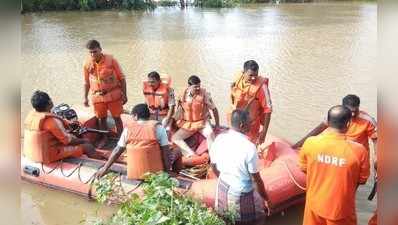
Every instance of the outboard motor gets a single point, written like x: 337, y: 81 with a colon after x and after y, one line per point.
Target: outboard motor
x: 65, y: 111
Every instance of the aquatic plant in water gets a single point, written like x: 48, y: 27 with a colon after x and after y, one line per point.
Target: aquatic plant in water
x: 159, y: 205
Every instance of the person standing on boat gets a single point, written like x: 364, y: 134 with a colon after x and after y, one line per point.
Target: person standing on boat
x: 250, y: 92
x: 147, y: 146
x: 362, y: 126
x: 193, y: 116
x: 46, y: 135
x: 335, y: 167
x: 159, y: 97
x: 104, y: 79
x: 238, y: 173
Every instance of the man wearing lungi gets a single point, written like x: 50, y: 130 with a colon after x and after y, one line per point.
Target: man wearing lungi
x: 234, y: 159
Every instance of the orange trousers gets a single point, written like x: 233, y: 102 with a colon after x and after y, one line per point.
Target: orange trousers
x: 310, y: 218
x: 373, y: 220
x: 101, y: 108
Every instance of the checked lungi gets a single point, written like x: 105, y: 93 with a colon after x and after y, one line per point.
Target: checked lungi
x: 248, y: 207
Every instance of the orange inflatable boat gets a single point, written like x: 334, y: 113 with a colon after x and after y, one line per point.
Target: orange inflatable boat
x: 283, y: 180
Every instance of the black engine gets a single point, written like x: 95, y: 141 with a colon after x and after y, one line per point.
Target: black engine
x: 65, y: 111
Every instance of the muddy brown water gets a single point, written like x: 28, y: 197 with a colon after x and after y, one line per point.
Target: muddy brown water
x: 313, y: 53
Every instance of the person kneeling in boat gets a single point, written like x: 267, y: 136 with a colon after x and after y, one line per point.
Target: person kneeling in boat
x: 159, y: 97
x: 47, y: 138
x: 235, y: 192
x: 194, y: 106
x: 147, y: 146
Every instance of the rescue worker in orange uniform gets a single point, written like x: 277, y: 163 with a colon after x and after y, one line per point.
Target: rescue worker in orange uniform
x: 362, y: 126
x: 46, y: 135
x: 104, y: 79
x: 193, y: 116
x: 147, y: 146
x: 250, y: 92
x: 335, y: 167
x: 160, y: 98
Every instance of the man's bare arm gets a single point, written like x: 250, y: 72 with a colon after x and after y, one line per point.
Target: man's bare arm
x: 214, y: 168
x: 166, y: 157
x: 258, y: 182
x: 117, y: 151
x: 317, y: 130
x: 263, y: 134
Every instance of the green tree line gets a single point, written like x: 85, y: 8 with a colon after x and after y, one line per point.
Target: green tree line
x: 87, y: 5
x: 49, y: 5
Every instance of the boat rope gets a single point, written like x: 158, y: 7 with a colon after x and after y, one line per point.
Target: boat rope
x: 292, y: 177
x: 45, y: 172
x: 92, y: 177
x: 73, y: 171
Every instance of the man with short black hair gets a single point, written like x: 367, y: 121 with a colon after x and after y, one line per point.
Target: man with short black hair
x: 104, y: 79
x: 147, y: 146
x: 46, y: 135
x: 195, y: 105
x: 362, y: 126
x: 238, y: 173
x: 250, y: 92
x: 159, y: 97
x: 335, y: 167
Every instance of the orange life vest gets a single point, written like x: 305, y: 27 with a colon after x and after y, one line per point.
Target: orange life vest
x: 143, y: 150
x: 195, y: 112
x: 37, y: 141
x: 246, y: 99
x: 104, y: 85
x: 158, y: 99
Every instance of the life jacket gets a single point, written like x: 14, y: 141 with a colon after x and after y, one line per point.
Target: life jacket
x: 195, y: 112
x: 104, y: 85
x: 38, y: 142
x: 158, y: 99
x: 246, y: 99
x: 143, y: 150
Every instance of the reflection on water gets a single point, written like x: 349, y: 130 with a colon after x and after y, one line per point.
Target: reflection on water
x: 313, y: 54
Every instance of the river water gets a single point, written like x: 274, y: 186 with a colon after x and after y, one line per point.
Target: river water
x: 313, y: 53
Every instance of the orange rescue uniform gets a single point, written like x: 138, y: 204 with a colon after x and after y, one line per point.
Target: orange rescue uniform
x: 143, y: 149
x: 252, y: 97
x: 104, y: 78
x: 335, y: 167
x: 361, y: 129
x: 46, y: 139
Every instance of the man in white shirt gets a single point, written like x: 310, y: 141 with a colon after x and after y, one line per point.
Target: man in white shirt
x: 234, y: 159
